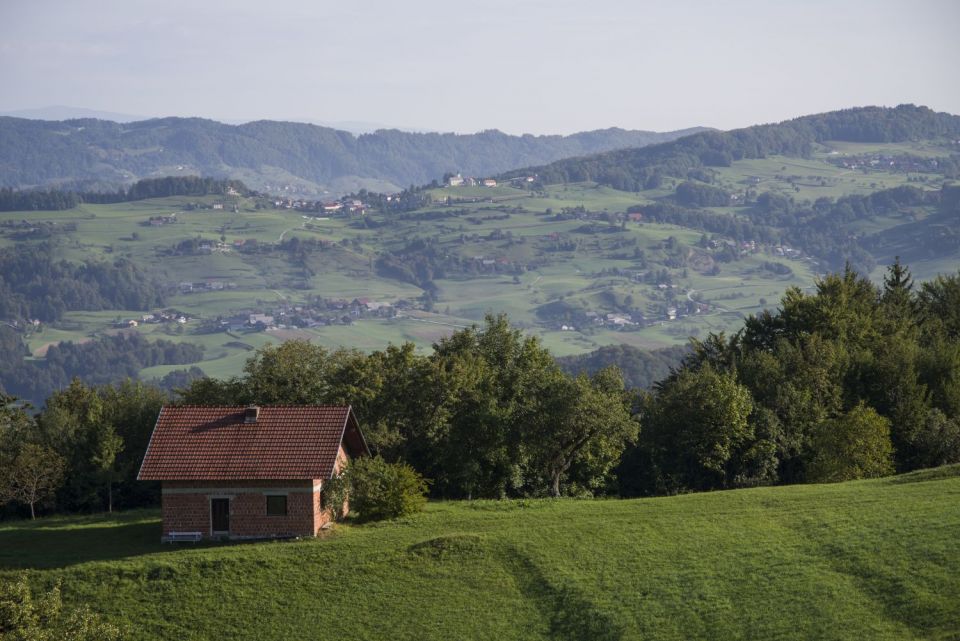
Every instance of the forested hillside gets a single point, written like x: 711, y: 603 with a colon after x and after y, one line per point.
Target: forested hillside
x: 640, y: 169
x: 58, y: 199
x: 711, y: 181
x: 103, y: 155
x: 640, y: 368
x: 35, y: 285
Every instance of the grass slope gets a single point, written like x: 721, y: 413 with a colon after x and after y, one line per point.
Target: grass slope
x: 863, y: 560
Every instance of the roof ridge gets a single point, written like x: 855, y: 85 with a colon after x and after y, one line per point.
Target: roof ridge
x: 214, y: 442
x: 294, y: 405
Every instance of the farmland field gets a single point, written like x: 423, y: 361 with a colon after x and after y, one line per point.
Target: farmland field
x: 555, y: 261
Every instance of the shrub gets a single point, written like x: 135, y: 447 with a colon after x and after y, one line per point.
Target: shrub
x: 378, y: 490
x: 43, y: 617
x: 854, y: 446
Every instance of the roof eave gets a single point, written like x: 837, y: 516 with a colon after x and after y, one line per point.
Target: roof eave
x: 146, y: 454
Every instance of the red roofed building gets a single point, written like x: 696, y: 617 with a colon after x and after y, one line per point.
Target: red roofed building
x: 248, y: 472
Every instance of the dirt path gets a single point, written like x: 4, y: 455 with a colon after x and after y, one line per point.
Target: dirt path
x: 284, y: 233
x: 432, y: 322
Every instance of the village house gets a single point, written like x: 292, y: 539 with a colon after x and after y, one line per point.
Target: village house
x: 261, y: 319
x: 248, y: 472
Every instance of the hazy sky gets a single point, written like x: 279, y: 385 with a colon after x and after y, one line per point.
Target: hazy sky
x: 551, y: 66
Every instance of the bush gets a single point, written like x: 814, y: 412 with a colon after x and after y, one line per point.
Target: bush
x: 378, y: 490
x: 854, y: 446
x: 43, y: 617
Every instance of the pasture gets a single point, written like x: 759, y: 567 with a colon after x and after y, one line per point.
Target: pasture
x: 868, y: 559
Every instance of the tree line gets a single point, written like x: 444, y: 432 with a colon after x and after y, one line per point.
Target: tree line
x: 488, y: 414
x: 52, y: 200
x: 851, y: 381
x: 98, y: 362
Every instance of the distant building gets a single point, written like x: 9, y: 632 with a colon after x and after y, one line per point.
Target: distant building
x: 261, y: 319
x: 489, y: 182
x: 455, y: 181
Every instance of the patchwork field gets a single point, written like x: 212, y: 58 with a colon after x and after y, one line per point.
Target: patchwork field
x: 550, y: 260
x: 862, y: 560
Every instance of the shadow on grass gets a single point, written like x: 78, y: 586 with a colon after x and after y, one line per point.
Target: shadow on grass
x: 59, y: 542
x: 915, y: 597
x: 570, y: 615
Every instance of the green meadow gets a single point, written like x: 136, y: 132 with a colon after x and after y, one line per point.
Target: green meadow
x: 871, y: 559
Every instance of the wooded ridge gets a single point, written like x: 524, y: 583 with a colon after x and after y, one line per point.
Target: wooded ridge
x: 640, y: 169
x: 93, y: 154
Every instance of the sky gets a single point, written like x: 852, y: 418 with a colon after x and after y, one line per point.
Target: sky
x: 539, y: 66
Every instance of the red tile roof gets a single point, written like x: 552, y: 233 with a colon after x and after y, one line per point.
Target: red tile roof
x: 192, y: 442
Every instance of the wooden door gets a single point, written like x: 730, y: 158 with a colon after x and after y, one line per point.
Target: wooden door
x: 220, y: 515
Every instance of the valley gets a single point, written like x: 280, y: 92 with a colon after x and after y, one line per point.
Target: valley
x: 570, y: 263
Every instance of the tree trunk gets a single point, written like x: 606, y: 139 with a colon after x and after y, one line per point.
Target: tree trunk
x: 110, y: 497
x: 33, y: 516
x: 555, y: 490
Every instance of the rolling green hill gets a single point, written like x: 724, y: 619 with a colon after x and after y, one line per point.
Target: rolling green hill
x: 695, y: 155
x: 281, y: 157
x: 862, y: 560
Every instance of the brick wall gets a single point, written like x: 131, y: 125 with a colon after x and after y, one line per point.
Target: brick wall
x: 186, y: 507
x: 185, y: 513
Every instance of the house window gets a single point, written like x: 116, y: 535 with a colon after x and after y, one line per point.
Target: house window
x: 277, y: 505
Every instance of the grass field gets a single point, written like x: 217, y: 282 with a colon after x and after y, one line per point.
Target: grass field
x: 862, y: 560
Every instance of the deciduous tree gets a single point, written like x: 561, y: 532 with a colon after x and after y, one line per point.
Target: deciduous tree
x: 32, y: 477
x: 855, y: 445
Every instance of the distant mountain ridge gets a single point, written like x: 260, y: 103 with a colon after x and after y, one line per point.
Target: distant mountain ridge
x: 99, y: 154
x: 686, y: 157
x: 65, y: 112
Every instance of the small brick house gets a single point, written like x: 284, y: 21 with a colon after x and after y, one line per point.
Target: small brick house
x: 248, y: 472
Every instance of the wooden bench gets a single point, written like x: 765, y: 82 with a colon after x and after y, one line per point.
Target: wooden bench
x: 173, y: 537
